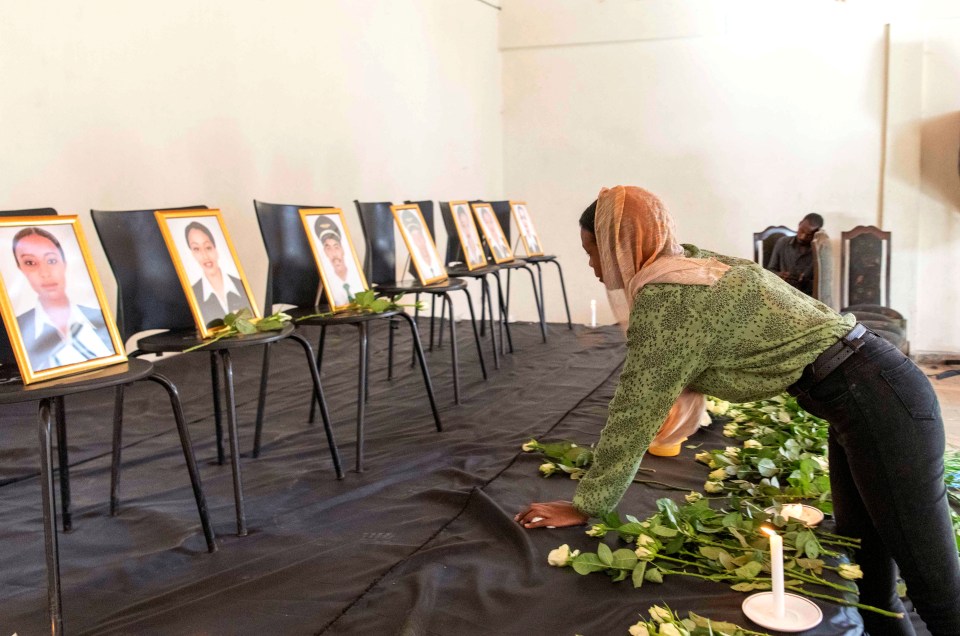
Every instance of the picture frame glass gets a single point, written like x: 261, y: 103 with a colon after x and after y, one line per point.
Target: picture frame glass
x: 341, y: 273
x: 419, y: 241
x: 207, y: 265
x: 54, y: 310
x: 496, y: 239
x: 528, y: 232
x: 468, y: 234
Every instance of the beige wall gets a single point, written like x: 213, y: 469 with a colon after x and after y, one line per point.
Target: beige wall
x: 741, y: 115
x: 127, y: 105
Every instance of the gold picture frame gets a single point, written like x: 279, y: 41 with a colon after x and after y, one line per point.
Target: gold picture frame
x: 192, y: 240
x: 416, y: 235
x: 333, y: 249
x: 468, y: 234
x: 528, y: 232
x: 39, y: 270
x: 492, y: 232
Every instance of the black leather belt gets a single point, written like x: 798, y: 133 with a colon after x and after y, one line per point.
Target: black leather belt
x: 828, y: 361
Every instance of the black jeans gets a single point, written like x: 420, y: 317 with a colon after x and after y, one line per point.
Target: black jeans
x: 886, y: 474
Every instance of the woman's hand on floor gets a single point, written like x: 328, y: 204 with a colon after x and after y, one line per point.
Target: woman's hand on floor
x: 551, y: 514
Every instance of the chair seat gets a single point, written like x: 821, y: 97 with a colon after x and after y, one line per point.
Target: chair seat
x: 479, y: 272
x: 544, y: 258
x: 113, y: 375
x: 451, y: 284
x: 340, y: 318
x: 182, y: 339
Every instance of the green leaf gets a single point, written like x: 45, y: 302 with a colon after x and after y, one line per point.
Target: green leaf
x: 750, y: 570
x: 244, y: 326
x: 654, y: 575
x: 767, y: 467
x: 587, y: 563
x: 663, y: 531
x: 711, y: 552
x: 638, y: 572
x: 605, y: 554
x: 624, y: 558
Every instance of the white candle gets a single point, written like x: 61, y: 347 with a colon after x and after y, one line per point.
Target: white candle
x: 776, y: 571
x: 593, y: 313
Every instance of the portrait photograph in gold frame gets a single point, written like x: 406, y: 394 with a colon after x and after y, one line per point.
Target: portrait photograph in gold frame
x: 492, y: 232
x: 420, y: 245
x: 55, y: 313
x: 341, y: 273
x: 528, y: 233
x: 212, y: 277
x: 468, y: 234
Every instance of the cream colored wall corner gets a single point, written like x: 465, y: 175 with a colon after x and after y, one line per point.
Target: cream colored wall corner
x: 126, y: 105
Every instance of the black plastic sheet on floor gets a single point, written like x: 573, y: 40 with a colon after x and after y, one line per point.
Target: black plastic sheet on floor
x: 421, y: 543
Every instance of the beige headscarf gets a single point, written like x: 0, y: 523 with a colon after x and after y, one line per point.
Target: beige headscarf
x: 636, y: 237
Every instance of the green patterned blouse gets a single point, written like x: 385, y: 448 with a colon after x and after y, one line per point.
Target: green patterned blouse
x: 745, y: 338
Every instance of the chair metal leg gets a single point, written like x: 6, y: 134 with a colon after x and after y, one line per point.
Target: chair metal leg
x: 484, y: 290
x: 504, y: 324
x: 187, y: 445
x: 563, y: 288
x: 454, y: 350
x: 488, y: 295
x: 63, y: 463
x: 320, y: 343
x: 261, y: 400
x: 433, y: 311
x: 423, y: 368
x: 543, y: 307
x: 366, y: 386
x: 217, y: 408
x: 391, y: 325
x: 51, y: 545
x: 444, y: 299
x: 318, y: 394
x: 476, y: 334
x: 362, y: 391
x: 231, y: 404
x: 117, y: 446
x: 536, y: 299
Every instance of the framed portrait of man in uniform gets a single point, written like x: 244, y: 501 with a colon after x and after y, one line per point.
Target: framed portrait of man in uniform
x: 468, y: 235
x: 53, y: 307
x: 416, y: 235
x: 340, y: 271
x: 492, y: 232
x: 521, y: 216
x: 207, y: 265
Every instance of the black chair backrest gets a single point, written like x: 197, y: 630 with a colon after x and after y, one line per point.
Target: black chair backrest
x: 6, y: 351
x: 380, y: 260
x: 454, y: 249
x: 502, y: 210
x: 865, y: 266
x: 292, y: 276
x: 149, y: 293
x: 765, y: 241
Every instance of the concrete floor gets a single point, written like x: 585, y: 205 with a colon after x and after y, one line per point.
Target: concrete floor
x: 948, y: 390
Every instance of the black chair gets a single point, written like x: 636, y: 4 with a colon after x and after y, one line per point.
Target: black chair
x: 503, y: 211
x: 379, y: 265
x: 765, y: 240
x: 47, y: 393
x: 150, y: 296
x: 293, y: 279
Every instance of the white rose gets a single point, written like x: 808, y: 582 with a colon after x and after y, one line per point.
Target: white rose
x: 660, y: 614
x: 718, y: 474
x: 730, y: 430
x: 784, y: 417
x: 640, y: 629
x: 644, y: 554
x: 645, y: 539
x: 703, y: 457
x: 596, y: 531
x: 559, y: 556
x: 822, y: 462
x: 548, y: 469
x: 732, y: 452
x: 693, y: 496
x: 752, y: 443
x: 713, y: 486
x: 529, y: 446
x: 850, y: 571
x: 668, y: 629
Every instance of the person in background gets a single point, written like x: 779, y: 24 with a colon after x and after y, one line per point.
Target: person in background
x: 792, y: 257
x: 726, y: 327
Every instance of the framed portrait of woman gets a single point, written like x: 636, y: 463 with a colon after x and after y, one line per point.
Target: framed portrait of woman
x: 54, y: 309
x: 468, y: 235
x: 416, y: 235
x: 207, y: 265
x: 521, y: 216
x: 492, y: 232
x: 340, y: 271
